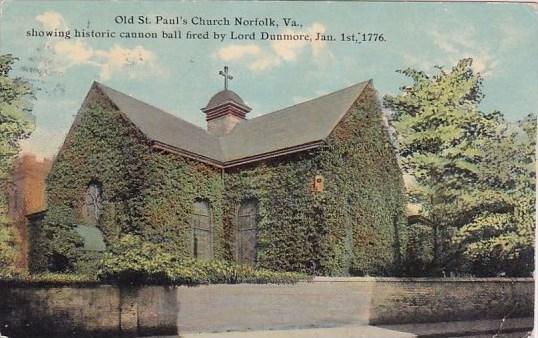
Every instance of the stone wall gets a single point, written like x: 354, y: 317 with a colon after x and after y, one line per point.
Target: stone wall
x: 92, y: 310
x: 35, y: 311
x: 415, y: 300
x: 87, y: 311
x: 434, y: 300
x: 329, y: 301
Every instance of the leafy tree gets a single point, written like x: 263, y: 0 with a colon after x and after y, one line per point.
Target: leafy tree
x: 452, y: 150
x: 501, y: 240
x: 16, y: 97
x: 419, y: 249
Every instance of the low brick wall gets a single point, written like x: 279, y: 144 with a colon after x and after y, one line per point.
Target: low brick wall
x: 433, y: 300
x: 87, y: 311
x: 93, y: 310
x: 327, y: 302
x: 36, y: 311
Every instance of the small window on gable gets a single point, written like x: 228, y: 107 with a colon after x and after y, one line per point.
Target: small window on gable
x: 202, y: 230
x: 92, y: 209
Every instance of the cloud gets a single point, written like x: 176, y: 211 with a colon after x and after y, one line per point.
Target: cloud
x: 234, y: 52
x: 52, y: 20
x: 485, y: 63
x: 73, y: 52
x: 279, y: 51
x: 67, y: 53
x: 289, y: 49
x: 457, y: 44
x: 264, y: 62
x: 411, y: 60
x: 464, y: 43
x: 259, y: 59
x: 118, y: 58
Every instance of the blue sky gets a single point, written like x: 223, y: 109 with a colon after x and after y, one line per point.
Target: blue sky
x: 181, y: 75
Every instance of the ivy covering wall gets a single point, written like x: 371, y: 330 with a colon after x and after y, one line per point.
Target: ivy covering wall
x: 363, y: 164
x: 354, y: 226
x: 174, y: 183
x: 289, y: 221
x: 94, y: 150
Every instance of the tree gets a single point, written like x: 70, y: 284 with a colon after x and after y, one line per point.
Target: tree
x: 503, y: 241
x: 16, y: 96
x: 451, y: 149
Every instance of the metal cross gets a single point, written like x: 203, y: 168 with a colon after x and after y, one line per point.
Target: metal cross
x: 226, y: 77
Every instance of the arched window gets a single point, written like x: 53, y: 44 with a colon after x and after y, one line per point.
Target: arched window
x: 201, y: 230
x: 247, y: 224
x: 92, y: 209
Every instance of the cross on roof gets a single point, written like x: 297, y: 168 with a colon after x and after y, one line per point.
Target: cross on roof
x: 226, y: 77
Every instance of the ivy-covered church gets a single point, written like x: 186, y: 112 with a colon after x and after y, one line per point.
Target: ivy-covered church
x: 314, y: 187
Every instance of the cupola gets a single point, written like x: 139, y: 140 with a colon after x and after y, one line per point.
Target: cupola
x: 225, y: 109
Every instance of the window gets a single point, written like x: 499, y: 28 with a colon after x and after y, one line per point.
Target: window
x: 247, y: 221
x: 201, y: 229
x: 92, y: 209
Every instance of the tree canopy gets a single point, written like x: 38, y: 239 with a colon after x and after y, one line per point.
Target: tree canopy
x: 16, y: 97
x: 472, y: 173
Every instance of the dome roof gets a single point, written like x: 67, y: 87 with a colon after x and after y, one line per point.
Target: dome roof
x: 224, y: 96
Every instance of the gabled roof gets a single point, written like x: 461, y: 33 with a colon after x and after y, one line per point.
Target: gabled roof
x: 296, y: 128
x: 301, y: 124
x: 163, y: 127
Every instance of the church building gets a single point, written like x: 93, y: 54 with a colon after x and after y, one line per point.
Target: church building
x: 314, y: 187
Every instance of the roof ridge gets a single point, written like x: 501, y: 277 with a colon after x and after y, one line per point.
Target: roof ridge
x: 103, y: 86
x: 315, y: 119
x: 314, y: 99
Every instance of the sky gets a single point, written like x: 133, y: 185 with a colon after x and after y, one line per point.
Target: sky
x: 180, y: 76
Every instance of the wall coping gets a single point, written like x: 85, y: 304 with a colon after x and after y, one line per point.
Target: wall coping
x: 422, y: 279
x: 318, y: 279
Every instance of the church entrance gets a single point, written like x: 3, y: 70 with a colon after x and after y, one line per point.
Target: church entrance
x: 247, y: 219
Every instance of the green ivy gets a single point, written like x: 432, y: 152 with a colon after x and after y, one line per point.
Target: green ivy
x: 355, y: 226
x: 95, y: 149
x: 172, y: 187
x: 132, y: 260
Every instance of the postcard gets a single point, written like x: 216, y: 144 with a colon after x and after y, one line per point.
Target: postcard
x: 267, y: 168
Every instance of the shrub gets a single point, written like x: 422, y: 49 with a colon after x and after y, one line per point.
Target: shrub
x: 8, y: 251
x: 48, y: 279
x: 134, y: 261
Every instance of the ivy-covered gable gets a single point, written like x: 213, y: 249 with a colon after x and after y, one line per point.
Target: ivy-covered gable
x: 350, y: 224
x: 105, y: 150
x: 366, y: 208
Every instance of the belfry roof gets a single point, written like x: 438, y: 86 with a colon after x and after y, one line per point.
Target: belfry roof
x: 224, y: 96
x: 299, y: 127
